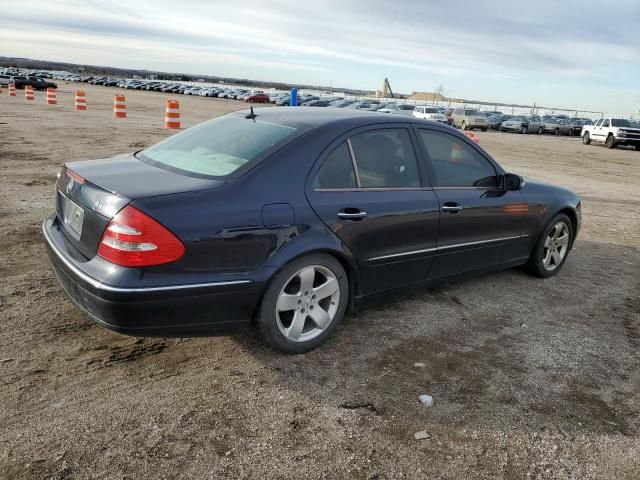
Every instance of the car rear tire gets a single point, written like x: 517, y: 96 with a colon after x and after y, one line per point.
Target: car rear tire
x: 611, y: 142
x: 586, y: 138
x: 556, y: 131
x: 485, y: 129
x: 540, y: 131
x: 552, y: 249
x: 464, y: 125
x: 303, y: 303
x: 523, y: 130
x: 638, y: 148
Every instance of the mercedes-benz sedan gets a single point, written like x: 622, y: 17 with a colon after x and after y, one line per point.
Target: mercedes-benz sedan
x: 285, y: 219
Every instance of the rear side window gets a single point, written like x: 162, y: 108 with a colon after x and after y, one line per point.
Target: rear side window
x: 219, y: 147
x: 337, y: 170
x: 385, y: 159
x: 455, y: 163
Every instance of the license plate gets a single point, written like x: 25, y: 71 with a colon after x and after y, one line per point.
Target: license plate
x: 72, y: 216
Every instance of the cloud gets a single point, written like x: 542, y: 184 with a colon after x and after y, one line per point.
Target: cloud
x: 351, y: 42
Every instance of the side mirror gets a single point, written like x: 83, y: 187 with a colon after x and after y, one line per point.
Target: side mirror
x: 513, y: 181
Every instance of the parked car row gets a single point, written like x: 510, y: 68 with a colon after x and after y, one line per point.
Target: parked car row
x: 20, y: 81
x: 463, y: 117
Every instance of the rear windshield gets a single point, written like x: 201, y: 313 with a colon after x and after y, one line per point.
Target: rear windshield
x: 473, y: 112
x: 220, y: 147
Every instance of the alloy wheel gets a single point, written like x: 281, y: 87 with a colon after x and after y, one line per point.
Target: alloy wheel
x: 308, y: 303
x: 556, y: 246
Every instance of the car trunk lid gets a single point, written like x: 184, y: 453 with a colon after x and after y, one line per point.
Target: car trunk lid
x: 90, y: 193
x: 130, y: 177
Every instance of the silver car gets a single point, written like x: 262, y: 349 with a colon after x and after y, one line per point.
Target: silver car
x: 523, y: 124
x: 469, y: 118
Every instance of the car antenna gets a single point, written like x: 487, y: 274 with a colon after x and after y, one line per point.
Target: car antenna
x: 252, y: 115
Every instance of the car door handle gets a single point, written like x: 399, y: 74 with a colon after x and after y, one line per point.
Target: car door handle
x: 352, y: 214
x: 451, y: 207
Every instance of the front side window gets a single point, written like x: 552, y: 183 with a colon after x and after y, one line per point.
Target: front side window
x: 385, y: 159
x: 337, y: 170
x: 605, y: 124
x: 455, y: 163
x: 219, y: 147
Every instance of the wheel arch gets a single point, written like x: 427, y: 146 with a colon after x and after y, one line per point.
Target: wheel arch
x: 335, y: 248
x: 573, y: 216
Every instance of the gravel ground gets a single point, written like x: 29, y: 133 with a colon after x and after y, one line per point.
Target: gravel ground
x: 530, y: 378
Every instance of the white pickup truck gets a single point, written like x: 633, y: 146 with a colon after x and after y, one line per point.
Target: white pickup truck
x: 612, y: 132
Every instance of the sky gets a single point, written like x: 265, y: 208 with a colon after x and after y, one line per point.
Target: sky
x: 555, y: 53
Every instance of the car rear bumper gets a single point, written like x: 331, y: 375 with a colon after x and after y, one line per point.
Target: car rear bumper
x: 211, y: 308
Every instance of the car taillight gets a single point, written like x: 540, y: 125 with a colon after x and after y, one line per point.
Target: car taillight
x: 134, y: 239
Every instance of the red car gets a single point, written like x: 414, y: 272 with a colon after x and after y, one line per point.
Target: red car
x: 258, y: 98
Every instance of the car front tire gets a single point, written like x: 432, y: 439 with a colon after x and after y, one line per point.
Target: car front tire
x: 552, y: 248
x: 303, y: 303
x: 611, y: 142
x: 586, y: 138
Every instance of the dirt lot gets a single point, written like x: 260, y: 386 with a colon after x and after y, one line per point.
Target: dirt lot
x: 531, y: 378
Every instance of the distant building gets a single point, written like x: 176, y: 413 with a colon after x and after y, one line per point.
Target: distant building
x: 428, y: 97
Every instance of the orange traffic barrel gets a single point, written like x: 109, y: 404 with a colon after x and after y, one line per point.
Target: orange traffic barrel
x: 81, y: 100
x: 119, y: 107
x: 172, y: 114
x: 28, y: 93
x: 472, y: 136
x: 12, y: 89
x: 52, y: 98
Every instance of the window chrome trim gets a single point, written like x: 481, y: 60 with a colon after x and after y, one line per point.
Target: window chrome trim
x: 102, y: 286
x: 446, y: 247
x: 354, y: 162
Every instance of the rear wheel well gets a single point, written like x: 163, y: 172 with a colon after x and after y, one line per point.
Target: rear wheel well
x: 352, y: 276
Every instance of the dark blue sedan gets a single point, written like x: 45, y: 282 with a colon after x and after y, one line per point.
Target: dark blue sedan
x: 285, y: 219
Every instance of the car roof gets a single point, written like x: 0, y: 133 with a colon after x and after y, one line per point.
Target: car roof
x: 317, y: 117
